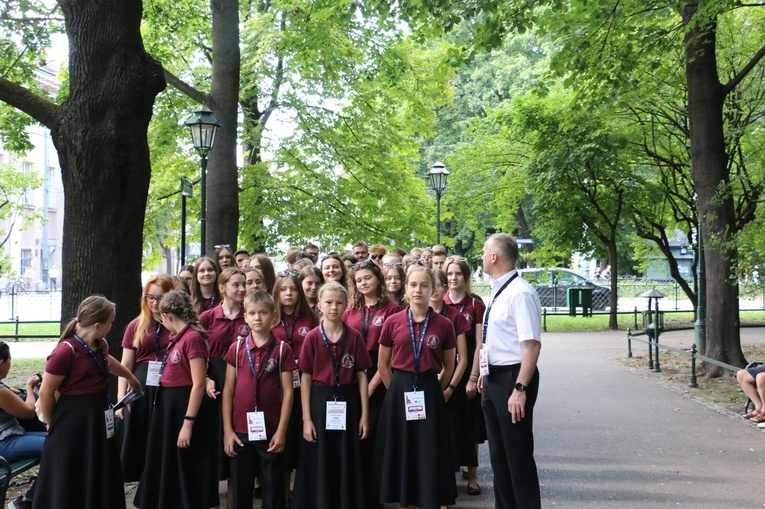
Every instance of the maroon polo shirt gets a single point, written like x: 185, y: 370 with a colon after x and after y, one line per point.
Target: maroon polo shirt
x: 461, y: 325
x: 221, y: 330
x: 147, y: 348
x: 471, y: 307
x: 81, y: 374
x: 318, y: 360
x: 186, y: 345
x: 292, y: 330
x: 374, y: 318
x: 439, y: 337
x: 269, y: 386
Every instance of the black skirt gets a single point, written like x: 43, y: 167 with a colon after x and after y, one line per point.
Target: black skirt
x: 476, y: 425
x: 79, y: 466
x: 329, y: 473
x: 217, y: 372
x: 369, y: 457
x: 416, y: 458
x: 172, y: 477
x: 133, y: 429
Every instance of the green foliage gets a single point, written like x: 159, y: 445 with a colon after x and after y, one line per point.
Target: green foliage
x: 14, y: 184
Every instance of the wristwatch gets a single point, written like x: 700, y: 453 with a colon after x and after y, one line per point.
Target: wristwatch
x: 520, y: 387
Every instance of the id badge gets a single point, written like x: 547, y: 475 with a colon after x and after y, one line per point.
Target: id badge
x: 483, y: 362
x: 295, y: 379
x: 414, y: 404
x: 109, y: 420
x: 336, y: 415
x: 256, y: 426
x: 152, y: 375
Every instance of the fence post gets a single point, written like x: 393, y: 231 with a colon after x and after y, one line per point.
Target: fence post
x: 656, y: 367
x: 13, y: 301
x: 16, y: 336
x: 544, y: 319
x: 629, y: 343
x: 636, y: 326
x: 692, y: 382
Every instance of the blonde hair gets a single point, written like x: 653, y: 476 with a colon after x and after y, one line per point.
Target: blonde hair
x: 94, y: 309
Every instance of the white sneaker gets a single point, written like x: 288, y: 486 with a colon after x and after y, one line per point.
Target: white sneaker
x: 761, y: 425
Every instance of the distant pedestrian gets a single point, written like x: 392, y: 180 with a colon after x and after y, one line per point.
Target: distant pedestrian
x: 53, y: 275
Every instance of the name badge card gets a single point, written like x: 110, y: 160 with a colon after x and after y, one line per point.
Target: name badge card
x: 109, y: 420
x: 295, y: 378
x: 152, y: 375
x: 256, y: 426
x: 483, y: 363
x: 336, y: 415
x: 414, y: 404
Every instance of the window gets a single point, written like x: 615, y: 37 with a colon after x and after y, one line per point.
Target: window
x: 27, y: 197
x: 26, y: 260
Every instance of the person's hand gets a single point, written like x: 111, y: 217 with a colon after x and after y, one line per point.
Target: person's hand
x: 363, y: 428
x: 309, y: 432
x: 184, y: 437
x: 229, y: 440
x: 277, y: 443
x: 33, y: 381
x: 479, y: 385
x: 516, y: 406
x: 210, y: 389
x: 471, y: 389
x: 448, y: 394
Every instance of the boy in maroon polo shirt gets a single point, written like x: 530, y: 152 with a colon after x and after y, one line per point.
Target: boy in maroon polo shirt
x: 257, y: 401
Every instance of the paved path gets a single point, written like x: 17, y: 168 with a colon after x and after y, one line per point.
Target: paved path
x: 609, y: 437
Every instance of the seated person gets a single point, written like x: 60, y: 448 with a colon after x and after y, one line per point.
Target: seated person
x: 16, y: 443
x: 752, y: 382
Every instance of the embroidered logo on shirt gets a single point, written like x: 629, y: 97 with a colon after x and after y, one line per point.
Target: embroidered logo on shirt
x: 303, y: 331
x: 271, y: 365
x: 176, y: 357
x: 378, y: 321
x: 469, y: 318
x: 433, y: 341
x: 243, y: 330
x: 348, y: 361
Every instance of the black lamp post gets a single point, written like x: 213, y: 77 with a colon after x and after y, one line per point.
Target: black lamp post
x: 437, y: 182
x: 653, y: 324
x: 203, y: 126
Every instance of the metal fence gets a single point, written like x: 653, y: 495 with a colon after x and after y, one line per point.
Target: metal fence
x: 30, y: 306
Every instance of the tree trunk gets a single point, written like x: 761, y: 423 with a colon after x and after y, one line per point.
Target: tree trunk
x: 613, y: 257
x: 222, y: 170
x: 711, y: 179
x: 101, y: 138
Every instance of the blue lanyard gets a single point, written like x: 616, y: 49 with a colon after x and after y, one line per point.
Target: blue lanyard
x: 443, y: 310
x: 173, y: 341
x: 102, y: 368
x: 212, y: 302
x: 365, y: 326
x: 462, y: 309
x: 157, y: 330
x: 335, y: 359
x: 417, y: 351
x: 288, y: 332
x: 263, y: 363
x: 488, y: 309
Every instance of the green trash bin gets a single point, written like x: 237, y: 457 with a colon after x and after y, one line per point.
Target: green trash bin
x: 579, y: 297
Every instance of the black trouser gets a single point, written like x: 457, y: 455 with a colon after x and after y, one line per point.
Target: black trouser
x: 511, y: 446
x: 253, y: 459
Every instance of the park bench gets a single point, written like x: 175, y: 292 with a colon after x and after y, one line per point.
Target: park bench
x: 11, y: 470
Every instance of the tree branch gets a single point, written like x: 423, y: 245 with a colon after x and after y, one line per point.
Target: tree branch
x: 185, y: 88
x: 44, y: 111
x: 744, y: 71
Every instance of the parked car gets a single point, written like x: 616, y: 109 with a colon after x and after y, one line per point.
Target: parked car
x: 552, y: 286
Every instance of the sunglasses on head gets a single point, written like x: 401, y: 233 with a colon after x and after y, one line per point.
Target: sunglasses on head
x: 221, y: 246
x: 290, y: 272
x: 376, y: 256
x: 392, y: 264
x: 363, y: 263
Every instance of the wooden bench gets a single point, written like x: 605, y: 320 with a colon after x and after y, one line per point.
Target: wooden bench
x: 11, y: 470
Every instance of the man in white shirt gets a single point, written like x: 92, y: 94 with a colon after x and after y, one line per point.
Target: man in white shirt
x: 512, y: 344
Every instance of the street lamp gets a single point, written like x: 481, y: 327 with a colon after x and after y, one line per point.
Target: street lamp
x: 437, y: 182
x: 203, y: 126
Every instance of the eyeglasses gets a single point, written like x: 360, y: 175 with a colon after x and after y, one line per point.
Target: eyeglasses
x: 290, y: 272
x: 151, y: 299
x: 221, y: 246
x: 376, y: 256
x: 392, y: 264
x: 393, y: 278
x: 439, y: 286
x: 363, y: 263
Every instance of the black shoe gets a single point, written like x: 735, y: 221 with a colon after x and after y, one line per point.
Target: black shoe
x: 474, y: 490
x: 20, y: 503
x: 464, y: 474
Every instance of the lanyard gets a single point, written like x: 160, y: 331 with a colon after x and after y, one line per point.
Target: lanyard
x: 288, y: 332
x: 211, y: 303
x: 157, y: 330
x: 102, y: 368
x: 488, y: 309
x: 173, y: 341
x: 417, y: 351
x: 443, y: 310
x: 335, y: 358
x: 364, y: 324
x: 263, y: 363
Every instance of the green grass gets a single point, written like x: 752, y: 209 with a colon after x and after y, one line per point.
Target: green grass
x: 672, y: 320
x: 50, y: 329
x: 22, y: 369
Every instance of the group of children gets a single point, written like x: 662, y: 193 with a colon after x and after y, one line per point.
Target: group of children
x: 249, y: 375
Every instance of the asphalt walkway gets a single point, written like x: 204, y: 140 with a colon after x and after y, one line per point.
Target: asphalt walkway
x: 609, y: 437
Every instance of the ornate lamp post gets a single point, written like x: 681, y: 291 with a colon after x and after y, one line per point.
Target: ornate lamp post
x: 437, y: 182
x: 203, y: 126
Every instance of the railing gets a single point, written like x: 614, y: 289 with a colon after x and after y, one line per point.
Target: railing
x: 17, y: 335
x: 654, y: 347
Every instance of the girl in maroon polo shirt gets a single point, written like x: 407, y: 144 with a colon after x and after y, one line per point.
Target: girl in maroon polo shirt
x: 224, y: 257
x: 263, y: 263
x: 80, y: 459
x: 204, y: 285
x: 333, y: 269
x: 143, y: 345
x: 369, y: 307
x: 223, y: 324
x: 472, y: 308
x: 258, y: 379
x: 413, y: 439
x: 253, y: 280
x: 178, y: 470
x: 294, y: 319
x: 311, y: 280
x: 335, y: 410
x: 394, y: 282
